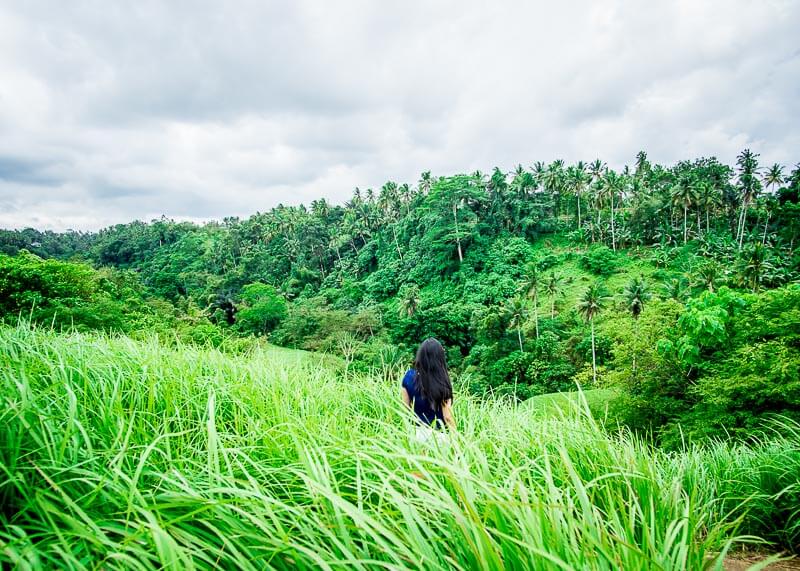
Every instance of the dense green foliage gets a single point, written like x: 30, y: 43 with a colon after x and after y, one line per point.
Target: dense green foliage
x: 67, y: 293
x: 498, y: 268
x: 718, y: 366
x: 262, y: 309
x: 124, y: 454
x: 73, y: 295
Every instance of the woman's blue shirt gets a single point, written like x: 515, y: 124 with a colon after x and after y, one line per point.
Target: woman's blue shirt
x: 422, y: 408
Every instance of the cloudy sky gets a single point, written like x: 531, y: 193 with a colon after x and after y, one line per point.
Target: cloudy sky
x: 111, y: 111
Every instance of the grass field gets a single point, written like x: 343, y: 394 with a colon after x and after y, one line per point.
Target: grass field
x: 556, y: 405
x: 123, y: 454
x: 576, y: 279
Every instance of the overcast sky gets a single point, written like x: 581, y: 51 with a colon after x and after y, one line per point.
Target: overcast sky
x: 112, y: 111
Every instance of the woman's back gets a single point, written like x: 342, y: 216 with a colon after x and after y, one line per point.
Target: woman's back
x: 425, y: 411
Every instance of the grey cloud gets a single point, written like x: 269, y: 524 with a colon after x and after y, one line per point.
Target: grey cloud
x: 201, y: 61
x: 27, y: 171
x: 115, y: 111
x: 104, y: 191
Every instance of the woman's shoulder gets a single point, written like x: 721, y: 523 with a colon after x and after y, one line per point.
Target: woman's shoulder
x: 408, y: 379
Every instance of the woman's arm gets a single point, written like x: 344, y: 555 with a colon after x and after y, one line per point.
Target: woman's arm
x: 405, y: 397
x: 447, y: 412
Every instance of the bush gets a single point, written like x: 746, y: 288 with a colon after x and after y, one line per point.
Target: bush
x: 549, y: 377
x: 263, y: 309
x: 547, y: 262
x: 600, y: 261
x: 204, y: 334
x: 70, y: 294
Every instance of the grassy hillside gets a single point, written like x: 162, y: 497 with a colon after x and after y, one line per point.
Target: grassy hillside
x: 629, y: 263
x: 557, y: 405
x: 125, y: 454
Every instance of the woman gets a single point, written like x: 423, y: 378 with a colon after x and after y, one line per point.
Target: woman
x: 426, y: 390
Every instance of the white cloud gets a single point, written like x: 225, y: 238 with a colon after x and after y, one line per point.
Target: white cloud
x: 116, y: 111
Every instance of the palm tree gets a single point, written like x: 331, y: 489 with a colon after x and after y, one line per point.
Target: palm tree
x: 578, y: 179
x: 773, y: 177
x: 636, y: 294
x: 642, y: 164
x: 336, y: 242
x: 554, y: 287
x: 538, y: 172
x: 531, y: 288
x: 612, y: 184
x: 590, y: 304
x: 457, y: 233
x: 518, y: 312
x: 674, y: 289
x: 596, y: 196
x: 425, y: 182
x: 749, y: 186
x: 523, y: 181
x: 553, y: 180
x: 708, y: 197
x: 755, y: 265
x: 405, y: 194
x: 708, y: 275
x: 448, y: 196
x: 698, y: 186
x: 770, y: 204
x: 409, y: 300
x: 389, y: 200
x: 596, y: 169
x: 683, y: 194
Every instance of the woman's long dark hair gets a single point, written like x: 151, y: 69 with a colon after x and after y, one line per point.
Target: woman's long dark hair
x: 432, y: 375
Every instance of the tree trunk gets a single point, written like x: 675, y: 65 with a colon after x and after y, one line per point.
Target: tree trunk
x: 519, y: 336
x: 636, y: 337
x: 707, y: 220
x: 516, y: 377
x: 742, y: 219
x: 671, y: 219
x: 579, y: 211
x: 699, y: 225
x: 598, y: 221
x: 613, y: 236
x: 458, y: 237
x: 684, y: 224
x: 738, y: 223
x: 536, y: 312
x: 764, y: 238
x: 594, y: 358
x: 396, y: 244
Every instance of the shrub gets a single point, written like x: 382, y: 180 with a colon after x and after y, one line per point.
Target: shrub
x: 547, y: 262
x: 203, y: 334
x: 263, y: 309
x: 600, y: 261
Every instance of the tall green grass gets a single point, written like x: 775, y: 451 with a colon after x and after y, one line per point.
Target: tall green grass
x: 123, y: 454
